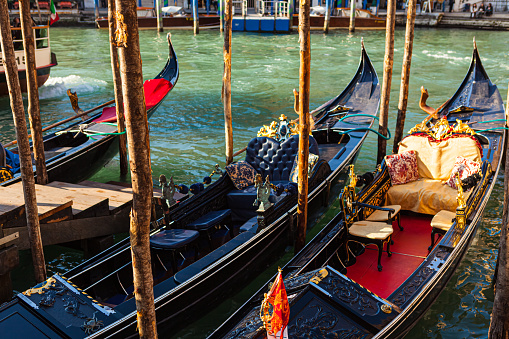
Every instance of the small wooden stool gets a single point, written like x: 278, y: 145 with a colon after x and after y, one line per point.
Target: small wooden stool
x: 378, y: 215
x: 440, y: 224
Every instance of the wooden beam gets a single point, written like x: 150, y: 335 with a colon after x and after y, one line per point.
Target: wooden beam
x: 9, y: 238
x: 18, y: 112
x: 227, y: 86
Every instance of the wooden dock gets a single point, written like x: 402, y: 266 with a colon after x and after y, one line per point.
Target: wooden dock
x: 68, y: 212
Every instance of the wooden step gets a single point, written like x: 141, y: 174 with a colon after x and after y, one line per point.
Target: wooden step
x: 118, y: 200
x: 117, y: 186
x: 50, y: 207
x: 83, y: 206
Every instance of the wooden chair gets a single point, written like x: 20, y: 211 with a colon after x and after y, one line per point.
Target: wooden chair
x: 365, y: 232
x: 381, y: 215
x: 441, y: 223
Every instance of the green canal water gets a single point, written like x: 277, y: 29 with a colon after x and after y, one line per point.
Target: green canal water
x: 187, y: 131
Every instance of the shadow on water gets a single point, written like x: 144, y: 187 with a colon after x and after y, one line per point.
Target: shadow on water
x: 187, y: 133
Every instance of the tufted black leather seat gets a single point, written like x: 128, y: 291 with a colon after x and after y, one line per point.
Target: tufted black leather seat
x: 275, y: 159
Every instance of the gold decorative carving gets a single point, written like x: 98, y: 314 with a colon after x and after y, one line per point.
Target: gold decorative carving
x: 274, y: 129
x: 40, y: 290
x: 319, y: 276
x: 461, y: 127
x: 386, y: 308
x: 442, y: 129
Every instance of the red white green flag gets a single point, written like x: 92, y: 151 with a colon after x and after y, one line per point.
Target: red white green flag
x: 54, y: 15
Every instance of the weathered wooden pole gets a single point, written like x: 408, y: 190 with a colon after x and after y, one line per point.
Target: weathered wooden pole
x: 34, y: 114
x: 196, y: 19
x: 499, y: 325
x: 405, y: 74
x: 351, y: 27
x: 159, y: 17
x: 18, y: 112
x: 38, y: 10
x: 139, y: 161
x: 327, y: 16
x: 304, y: 84
x: 117, y: 86
x: 227, y: 82
x: 386, y: 82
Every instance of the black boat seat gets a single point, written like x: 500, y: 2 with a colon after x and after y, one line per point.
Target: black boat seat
x: 241, y: 202
x: 209, y: 220
x: 198, y: 266
x: 173, y: 239
x: 250, y: 226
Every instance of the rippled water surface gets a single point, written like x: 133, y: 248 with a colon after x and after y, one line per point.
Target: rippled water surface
x: 187, y: 131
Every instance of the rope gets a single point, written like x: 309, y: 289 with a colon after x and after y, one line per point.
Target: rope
x: 366, y: 129
x: 492, y: 129
x: 356, y: 115
x: 485, y: 122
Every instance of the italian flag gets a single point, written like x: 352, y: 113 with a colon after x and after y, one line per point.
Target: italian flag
x: 54, y: 15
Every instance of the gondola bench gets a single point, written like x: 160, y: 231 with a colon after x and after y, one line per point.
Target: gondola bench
x: 435, y: 160
x: 267, y: 157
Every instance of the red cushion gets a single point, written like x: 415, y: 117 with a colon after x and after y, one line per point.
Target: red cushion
x: 155, y: 91
x: 465, y: 168
x: 402, y: 167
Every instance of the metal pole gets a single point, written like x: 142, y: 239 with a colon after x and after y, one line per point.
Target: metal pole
x: 117, y: 86
x: 327, y: 16
x: 34, y: 114
x: 139, y: 159
x: 221, y: 15
x: 96, y: 5
x: 158, y: 15
x: 18, y: 112
x: 196, y: 19
x: 405, y: 75
x: 227, y: 86
x: 304, y: 84
x: 351, y: 28
x: 386, y: 82
x: 208, y: 7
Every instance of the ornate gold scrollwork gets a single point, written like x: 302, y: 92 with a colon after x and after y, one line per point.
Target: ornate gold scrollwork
x: 319, y: 276
x: 460, y: 210
x: 274, y: 130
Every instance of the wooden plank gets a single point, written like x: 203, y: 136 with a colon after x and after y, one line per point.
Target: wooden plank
x: 118, y: 200
x: 9, y: 238
x: 117, y: 186
x: 83, y: 205
x: 71, y: 230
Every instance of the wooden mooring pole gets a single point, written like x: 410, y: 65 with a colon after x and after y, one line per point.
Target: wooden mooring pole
x: 196, y: 18
x: 326, y: 22
x: 18, y: 112
x: 386, y: 82
x: 499, y: 325
x: 304, y: 85
x: 351, y: 27
x: 34, y: 114
x: 159, y: 16
x: 117, y: 86
x: 227, y: 82
x: 139, y: 160
x: 405, y: 75
x: 220, y: 4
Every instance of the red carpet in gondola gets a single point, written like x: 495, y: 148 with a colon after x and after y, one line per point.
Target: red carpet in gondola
x: 409, y: 250
x: 155, y: 90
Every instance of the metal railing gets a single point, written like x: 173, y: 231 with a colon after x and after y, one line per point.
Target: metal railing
x: 239, y: 7
x: 275, y: 8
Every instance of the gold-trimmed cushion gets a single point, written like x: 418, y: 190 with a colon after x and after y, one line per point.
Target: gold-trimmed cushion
x: 402, y: 167
x: 435, y: 160
x: 312, y: 160
x: 463, y: 167
x: 370, y: 229
x: 425, y: 196
x: 378, y: 215
x: 443, y: 220
x: 242, y: 174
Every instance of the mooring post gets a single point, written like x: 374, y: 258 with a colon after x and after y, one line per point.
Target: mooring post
x: 207, y: 6
x: 499, y: 324
x: 327, y: 16
x: 159, y: 16
x: 139, y: 160
x: 405, y: 75
x: 18, y: 112
x: 351, y: 27
x: 117, y: 86
x: 196, y: 19
x: 220, y: 5
x: 96, y: 6
x: 227, y: 82
x: 34, y: 114
x: 304, y: 84
x: 387, y: 78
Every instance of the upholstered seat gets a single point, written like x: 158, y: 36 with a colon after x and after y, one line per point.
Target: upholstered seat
x: 371, y: 229
x: 241, y: 202
x: 380, y: 215
x: 441, y: 223
x: 209, y: 220
x: 173, y: 239
x: 250, y: 226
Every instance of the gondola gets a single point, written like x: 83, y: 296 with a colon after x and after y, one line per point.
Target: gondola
x: 80, y: 150
x: 210, y: 244
x: 340, y: 285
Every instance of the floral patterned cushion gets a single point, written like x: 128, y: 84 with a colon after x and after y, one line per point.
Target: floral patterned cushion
x: 465, y: 168
x: 312, y: 160
x: 402, y: 167
x: 242, y: 174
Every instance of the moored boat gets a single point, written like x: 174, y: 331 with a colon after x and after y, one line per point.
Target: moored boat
x: 213, y: 242
x: 340, y: 19
x: 78, y: 151
x: 44, y: 58
x: 340, y: 285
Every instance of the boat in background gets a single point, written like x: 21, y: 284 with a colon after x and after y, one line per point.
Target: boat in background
x: 337, y: 285
x: 44, y: 58
x: 340, y: 19
x: 211, y: 244
x: 77, y: 152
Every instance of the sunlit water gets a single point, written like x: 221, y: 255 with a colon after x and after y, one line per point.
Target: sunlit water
x: 187, y: 131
